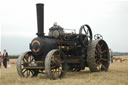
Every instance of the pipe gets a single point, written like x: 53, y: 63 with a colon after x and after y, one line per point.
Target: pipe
x: 40, y: 19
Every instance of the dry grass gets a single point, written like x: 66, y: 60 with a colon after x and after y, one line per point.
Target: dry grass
x: 117, y: 75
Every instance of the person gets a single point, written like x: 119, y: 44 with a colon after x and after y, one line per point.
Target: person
x: 0, y: 59
x: 111, y: 57
x: 5, y: 58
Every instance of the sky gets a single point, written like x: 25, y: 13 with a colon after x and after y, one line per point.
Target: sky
x: 18, y: 21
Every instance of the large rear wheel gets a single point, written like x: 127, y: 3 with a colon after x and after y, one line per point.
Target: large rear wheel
x: 98, y: 56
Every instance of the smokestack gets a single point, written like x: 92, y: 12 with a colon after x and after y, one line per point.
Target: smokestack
x: 40, y: 19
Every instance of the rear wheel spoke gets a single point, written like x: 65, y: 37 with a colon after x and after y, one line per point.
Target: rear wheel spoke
x: 103, y: 59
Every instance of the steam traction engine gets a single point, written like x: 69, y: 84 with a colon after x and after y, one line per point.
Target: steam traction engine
x: 60, y: 52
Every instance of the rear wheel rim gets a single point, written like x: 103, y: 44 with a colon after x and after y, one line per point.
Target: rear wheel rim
x: 100, y: 55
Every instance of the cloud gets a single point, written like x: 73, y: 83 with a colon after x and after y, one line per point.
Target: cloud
x: 107, y: 17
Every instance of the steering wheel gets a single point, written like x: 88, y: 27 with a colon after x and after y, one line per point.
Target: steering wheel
x: 85, y: 35
x: 98, y: 37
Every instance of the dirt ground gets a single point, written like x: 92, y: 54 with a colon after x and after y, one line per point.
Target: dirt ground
x: 116, y: 75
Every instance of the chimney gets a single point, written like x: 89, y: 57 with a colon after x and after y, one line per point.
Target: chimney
x: 40, y: 19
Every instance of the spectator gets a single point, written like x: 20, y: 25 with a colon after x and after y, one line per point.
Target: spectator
x: 111, y: 57
x: 0, y: 59
x: 5, y: 58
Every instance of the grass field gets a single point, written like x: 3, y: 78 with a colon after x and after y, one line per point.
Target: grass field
x: 116, y: 75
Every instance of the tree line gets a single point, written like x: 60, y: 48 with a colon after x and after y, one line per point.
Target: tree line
x: 120, y: 53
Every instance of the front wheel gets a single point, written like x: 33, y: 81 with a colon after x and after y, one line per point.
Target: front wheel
x: 24, y: 58
x: 55, y: 64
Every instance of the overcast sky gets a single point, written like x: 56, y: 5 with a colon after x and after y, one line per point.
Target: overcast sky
x: 18, y: 21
